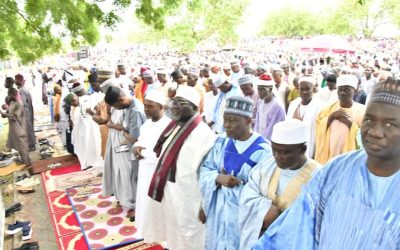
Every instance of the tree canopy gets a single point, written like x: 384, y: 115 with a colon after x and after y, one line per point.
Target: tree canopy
x: 346, y: 18
x: 30, y: 29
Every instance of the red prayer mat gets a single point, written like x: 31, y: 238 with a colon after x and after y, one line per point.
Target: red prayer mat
x: 65, y: 223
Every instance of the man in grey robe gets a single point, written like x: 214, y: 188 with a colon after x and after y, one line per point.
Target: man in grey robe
x: 26, y: 99
x: 133, y: 118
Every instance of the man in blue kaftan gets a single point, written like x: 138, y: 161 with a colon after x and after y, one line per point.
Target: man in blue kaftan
x: 354, y: 201
x: 226, y: 170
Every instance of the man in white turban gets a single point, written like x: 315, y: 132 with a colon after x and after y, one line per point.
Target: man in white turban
x: 337, y: 125
x: 174, y: 193
x: 276, y: 181
x: 150, y: 131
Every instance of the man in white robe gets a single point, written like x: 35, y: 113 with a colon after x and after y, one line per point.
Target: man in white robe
x: 276, y: 181
x: 86, y: 136
x: 150, y: 131
x: 305, y: 108
x: 226, y: 170
x: 226, y: 90
x: 175, y: 196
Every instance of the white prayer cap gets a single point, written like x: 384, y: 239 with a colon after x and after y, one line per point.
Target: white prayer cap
x: 162, y: 71
x: 226, y: 66
x: 108, y: 83
x: 308, y: 79
x: 156, y: 96
x: 218, y: 80
x: 194, y: 71
x: 147, y: 73
x: 247, y: 78
x: 347, y: 80
x: 289, y: 132
x: 188, y: 93
x: 276, y: 67
x: 269, y: 83
x: 235, y: 63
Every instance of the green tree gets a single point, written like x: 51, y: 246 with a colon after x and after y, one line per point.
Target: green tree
x: 31, y: 29
x: 291, y: 22
x: 196, y: 22
x: 369, y: 15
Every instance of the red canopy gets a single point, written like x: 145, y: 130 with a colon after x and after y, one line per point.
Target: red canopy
x: 327, y: 44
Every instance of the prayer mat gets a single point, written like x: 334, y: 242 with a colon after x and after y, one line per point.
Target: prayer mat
x: 65, y: 224
x: 104, y: 223
x: 66, y: 227
x: 85, y: 178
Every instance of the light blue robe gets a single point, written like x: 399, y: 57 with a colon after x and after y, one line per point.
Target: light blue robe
x: 221, y: 204
x: 336, y: 210
x: 254, y: 203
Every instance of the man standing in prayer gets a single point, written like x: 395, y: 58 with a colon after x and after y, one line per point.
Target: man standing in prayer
x: 210, y: 100
x: 306, y: 108
x: 192, y: 81
x: 86, y: 135
x: 282, y: 87
x: 123, y: 79
x: 328, y: 94
x: 226, y: 170
x: 269, y: 110
x: 276, y: 181
x: 17, y: 138
x: 175, y: 196
x: 236, y: 72
x: 150, y: 131
x: 26, y: 99
x: 246, y: 83
x: 353, y: 202
x: 337, y: 125
x: 227, y: 90
x: 133, y: 117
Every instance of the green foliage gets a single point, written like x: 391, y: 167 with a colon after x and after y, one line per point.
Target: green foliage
x: 34, y: 28
x: 346, y: 18
x: 198, y: 21
x: 291, y: 22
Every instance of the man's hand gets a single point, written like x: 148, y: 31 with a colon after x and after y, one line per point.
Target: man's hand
x: 57, y: 117
x: 89, y: 111
x: 271, y: 216
x: 340, y: 115
x: 137, y: 152
x: 202, y: 216
x: 227, y: 180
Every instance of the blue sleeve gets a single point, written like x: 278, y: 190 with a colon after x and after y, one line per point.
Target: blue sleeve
x: 296, y: 227
x: 209, y: 171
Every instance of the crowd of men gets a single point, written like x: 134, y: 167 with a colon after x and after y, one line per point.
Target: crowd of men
x: 228, y: 155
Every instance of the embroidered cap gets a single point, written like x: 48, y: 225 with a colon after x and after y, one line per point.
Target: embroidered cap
x: 247, y: 78
x: 289, y: 132
x: 239, y: 105
x: 387, y: 91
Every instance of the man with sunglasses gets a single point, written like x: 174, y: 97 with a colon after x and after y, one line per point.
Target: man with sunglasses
x: 175, y: 196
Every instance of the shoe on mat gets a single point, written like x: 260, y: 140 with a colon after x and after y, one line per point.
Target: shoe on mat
x: 13, y: 208
x: 28, y: 182
x: 28, y: 246
x: 26, y: 232
x: 17, y: 227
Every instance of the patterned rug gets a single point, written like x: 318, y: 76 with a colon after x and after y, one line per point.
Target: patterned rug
x: 65, y: 224
x: 103, y: 222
